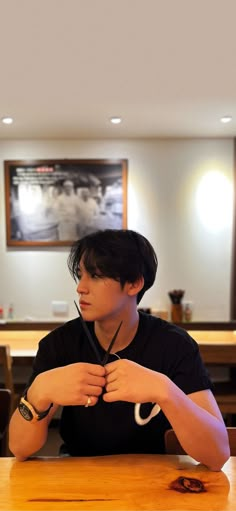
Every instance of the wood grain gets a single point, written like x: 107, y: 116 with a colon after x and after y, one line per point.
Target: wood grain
x: 125, y: 482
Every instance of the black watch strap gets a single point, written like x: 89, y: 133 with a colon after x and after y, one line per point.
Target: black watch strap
x: 29, y: 412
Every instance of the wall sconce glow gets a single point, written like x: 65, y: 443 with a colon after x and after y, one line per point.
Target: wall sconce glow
x: 115, y: 120
x: 226, y: 118
x: 7, y: 120
x: 215, y: 201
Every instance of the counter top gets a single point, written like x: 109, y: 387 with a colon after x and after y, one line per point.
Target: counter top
x: 51, y: 325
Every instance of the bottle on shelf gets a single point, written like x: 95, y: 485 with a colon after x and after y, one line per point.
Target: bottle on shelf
x: 10, y: 314
x: 188, y: 312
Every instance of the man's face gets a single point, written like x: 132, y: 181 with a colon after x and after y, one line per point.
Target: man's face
x: 100, y: 297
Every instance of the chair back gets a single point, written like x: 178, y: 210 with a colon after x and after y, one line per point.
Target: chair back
x: 232, y: 440
x: 173, y: 445
x: 6, y: 363
x: 5, y: 412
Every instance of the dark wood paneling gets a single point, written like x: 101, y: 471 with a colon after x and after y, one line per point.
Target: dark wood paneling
x: 194, y: 325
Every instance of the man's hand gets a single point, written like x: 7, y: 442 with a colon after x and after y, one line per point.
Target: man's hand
x: 128, y: 381
x: 68, y: 385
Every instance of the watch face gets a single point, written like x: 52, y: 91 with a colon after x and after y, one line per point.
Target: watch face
x: 25, y: 412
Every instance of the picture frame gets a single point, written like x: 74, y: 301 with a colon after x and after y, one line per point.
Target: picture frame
x: 54, y: 202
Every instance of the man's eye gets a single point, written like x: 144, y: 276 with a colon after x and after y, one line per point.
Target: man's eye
x: 96, y: 276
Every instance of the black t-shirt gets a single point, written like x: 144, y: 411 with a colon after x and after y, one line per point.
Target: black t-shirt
x: 121, y: 427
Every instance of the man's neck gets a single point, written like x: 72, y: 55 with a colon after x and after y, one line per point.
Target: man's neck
x: 105, y: 330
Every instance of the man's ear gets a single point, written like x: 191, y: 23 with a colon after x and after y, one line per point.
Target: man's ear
x: 135, y: 287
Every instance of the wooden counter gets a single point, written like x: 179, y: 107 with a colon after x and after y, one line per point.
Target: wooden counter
x: 216, y: 347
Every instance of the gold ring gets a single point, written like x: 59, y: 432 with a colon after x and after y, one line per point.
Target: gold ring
x: 88, y: 402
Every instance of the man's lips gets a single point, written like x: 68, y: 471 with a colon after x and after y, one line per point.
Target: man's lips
x: 83, y: 303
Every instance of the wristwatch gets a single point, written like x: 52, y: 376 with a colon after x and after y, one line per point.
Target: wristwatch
x: 29, y: 413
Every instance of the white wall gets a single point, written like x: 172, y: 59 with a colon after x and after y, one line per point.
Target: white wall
x: 163, y: 176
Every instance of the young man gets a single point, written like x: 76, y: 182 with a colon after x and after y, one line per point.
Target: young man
x: 154, y: 378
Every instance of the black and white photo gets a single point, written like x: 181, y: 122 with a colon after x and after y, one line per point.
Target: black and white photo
x: 55, y: 202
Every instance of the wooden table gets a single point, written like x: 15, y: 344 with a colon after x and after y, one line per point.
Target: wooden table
x: 216, y: 347
x: 23, y: 344
x: 125, y: 482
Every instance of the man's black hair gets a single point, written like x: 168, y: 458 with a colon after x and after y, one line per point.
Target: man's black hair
x: 120, y: 254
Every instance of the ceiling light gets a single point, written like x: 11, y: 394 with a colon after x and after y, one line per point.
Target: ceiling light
x: 7, y: 120
x: 226, y: 118
x: 115, y: 120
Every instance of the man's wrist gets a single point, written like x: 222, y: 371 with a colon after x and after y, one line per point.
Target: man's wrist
x: 37, y: 395
x: 29, y: 413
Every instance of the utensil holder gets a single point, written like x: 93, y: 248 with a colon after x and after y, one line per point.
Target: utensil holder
x: 176, y: 312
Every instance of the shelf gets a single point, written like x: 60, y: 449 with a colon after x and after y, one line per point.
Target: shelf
x: 51, y: 325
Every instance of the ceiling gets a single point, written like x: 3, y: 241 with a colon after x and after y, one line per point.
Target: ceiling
x: 167, y: 67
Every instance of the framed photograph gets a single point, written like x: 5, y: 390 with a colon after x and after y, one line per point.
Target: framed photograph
x: 55, y: 202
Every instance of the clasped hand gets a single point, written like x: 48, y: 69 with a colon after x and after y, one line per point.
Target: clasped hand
x: 122, y: 380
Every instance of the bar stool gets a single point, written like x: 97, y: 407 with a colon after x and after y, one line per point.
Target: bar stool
x: 6, y: 363
x: 5, y: 412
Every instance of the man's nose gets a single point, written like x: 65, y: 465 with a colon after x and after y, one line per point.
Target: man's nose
x: 82, y: 285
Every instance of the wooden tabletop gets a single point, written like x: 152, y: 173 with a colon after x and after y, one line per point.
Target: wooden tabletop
x: 125, y: 482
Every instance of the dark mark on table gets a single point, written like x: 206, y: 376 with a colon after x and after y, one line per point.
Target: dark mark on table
x: 187, y: 485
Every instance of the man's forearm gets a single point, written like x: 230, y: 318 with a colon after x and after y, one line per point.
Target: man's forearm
x: 201, y: 434
x: 26, y: 438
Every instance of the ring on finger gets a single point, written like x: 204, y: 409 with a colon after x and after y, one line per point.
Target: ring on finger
x: 88, y: 402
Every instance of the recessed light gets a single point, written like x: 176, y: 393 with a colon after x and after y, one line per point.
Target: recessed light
x: 226, y: 118
x: 7, y: 120
x: 115, y: 120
